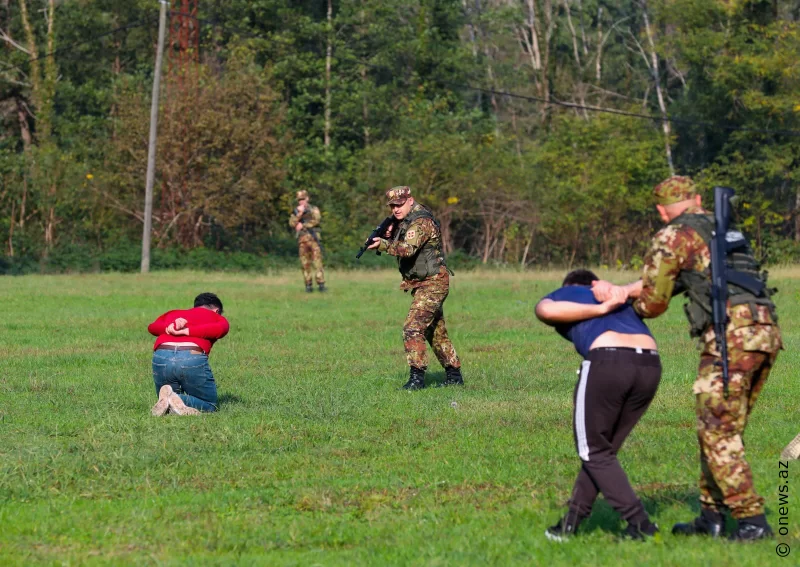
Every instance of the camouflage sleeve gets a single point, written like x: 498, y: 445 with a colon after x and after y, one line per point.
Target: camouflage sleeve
x: 314, y: 220
x: 662, y: 264
x: 294, y: 218
x: 417, y: 234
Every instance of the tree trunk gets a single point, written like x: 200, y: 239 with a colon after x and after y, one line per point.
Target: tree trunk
x: 472, y: 42
x: 527, y: 249
x: 583, y: 31
x: 24, y: 127
x: 364, y: 86
x: 574, y: 35
x: 657, y: 81
x: 797, y: 216
x: 328, y: 57
x: 45, y: 121
x: 598, y: 66
x: 11, y: 229
x: 35, y: 74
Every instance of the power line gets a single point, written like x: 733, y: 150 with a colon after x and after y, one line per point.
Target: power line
x: 73, y: 46
x: 656, y: 118
x: 653, y: 117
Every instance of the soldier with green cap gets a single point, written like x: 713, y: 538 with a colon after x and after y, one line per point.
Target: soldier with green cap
x: 678, y: 262
x: 305, y: 222
x: 416, y: 240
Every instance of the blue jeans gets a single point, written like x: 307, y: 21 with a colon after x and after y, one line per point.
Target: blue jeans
x: 189, y: 375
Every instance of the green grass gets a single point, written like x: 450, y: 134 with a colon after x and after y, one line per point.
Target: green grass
x: 316, y: 457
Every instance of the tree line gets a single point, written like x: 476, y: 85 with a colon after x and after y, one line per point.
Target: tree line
x: 535, y: 129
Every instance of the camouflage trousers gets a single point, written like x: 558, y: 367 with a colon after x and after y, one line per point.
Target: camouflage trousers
x: 726, y: 480
x: 425, y: 322
x: 311, y: 257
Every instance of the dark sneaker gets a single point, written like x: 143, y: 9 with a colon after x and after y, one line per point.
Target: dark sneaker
x: 562, y: 531
x: 751, y: 532
x: 702, y: 525
x: 416, y: 379
x: 309, y: 288
x: 641, y: 531
x: 454, y: 377
x: 322, y: 288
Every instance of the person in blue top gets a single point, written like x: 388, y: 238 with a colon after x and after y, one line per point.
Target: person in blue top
x: 619, y: 377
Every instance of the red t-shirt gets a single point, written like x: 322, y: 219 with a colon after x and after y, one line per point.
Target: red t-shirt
x: 205, y: 327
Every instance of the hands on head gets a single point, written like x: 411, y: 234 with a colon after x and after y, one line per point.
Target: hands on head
x: 609, y: 295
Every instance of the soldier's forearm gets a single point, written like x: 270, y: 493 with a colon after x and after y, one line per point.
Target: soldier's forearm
x: 650, y: 306
x: 634, y: 289
x: 402, y: 249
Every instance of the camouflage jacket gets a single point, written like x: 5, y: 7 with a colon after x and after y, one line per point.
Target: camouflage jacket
x: 416, y: 236
x: 676, y: 248
x: 310, y: 219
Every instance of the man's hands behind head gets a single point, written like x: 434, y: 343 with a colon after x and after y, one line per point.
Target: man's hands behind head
x: 615, y: 296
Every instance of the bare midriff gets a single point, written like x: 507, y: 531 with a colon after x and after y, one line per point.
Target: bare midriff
x: 614, y: 339
x: 189, y: 343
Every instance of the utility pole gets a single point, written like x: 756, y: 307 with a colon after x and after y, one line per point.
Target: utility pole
x: 151, y: 148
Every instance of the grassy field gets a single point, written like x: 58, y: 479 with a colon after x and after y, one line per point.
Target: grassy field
x: 317, y: 457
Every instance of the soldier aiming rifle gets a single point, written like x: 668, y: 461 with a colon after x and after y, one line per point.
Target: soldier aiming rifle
x: 413, y: 236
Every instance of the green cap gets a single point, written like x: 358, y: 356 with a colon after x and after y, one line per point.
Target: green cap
x: 674, y: 190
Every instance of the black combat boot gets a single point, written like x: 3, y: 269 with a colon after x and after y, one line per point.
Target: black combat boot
x: 564, y: 529
x: 309, y: 288
x: 641, y: 530
x: 751, y: 529
x: 709, y: 523
x: 454, y: 377
x: 322, y: 288
x: 416, y: 380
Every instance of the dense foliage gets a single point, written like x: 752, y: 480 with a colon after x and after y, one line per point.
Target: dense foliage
x: 489, y: 109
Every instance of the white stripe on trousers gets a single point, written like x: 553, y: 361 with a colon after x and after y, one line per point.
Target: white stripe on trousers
x: 580, y: 413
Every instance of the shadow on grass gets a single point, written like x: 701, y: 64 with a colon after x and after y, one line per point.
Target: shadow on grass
x: 434, y: 378
x: 605, y: 518
x: 228, y: 398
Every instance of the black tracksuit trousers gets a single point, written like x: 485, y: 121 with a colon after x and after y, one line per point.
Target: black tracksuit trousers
x: 615, y: 388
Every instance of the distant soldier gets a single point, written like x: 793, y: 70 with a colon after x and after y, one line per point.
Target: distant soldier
x: 416, y: 240
x: 305, y: 221
x: 679, y: 261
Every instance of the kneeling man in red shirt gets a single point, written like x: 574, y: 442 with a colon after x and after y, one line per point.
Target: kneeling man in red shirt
x: 183, y: 378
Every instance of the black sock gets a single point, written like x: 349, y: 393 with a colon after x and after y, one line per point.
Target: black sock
x: 712, y: 516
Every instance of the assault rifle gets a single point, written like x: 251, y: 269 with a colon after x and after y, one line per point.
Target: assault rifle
x: 311, y: 230
x: 719, y: 275
x: 379, y: 231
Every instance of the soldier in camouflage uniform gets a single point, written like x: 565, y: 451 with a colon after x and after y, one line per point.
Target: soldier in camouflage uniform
x: 415, y: 239
x: 679, y: 261
x: 305, y: 221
